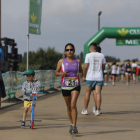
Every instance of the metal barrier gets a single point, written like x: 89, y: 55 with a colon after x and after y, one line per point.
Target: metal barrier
x: 13, y: 81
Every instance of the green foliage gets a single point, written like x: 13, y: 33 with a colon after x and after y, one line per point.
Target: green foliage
x: 112, y: 59
x: 42, y: 59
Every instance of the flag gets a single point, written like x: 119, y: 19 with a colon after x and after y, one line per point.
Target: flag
x: 35, y: 17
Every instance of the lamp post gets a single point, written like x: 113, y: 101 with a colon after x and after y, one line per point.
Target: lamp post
x: 99, y: 20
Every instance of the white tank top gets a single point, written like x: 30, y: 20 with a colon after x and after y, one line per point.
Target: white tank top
x: 118, y: 70
x: 134, y: 65
x: 114, y: 69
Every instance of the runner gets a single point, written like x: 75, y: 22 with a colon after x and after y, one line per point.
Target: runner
x: 114, y: 73
x: 134, y: 66
x: 122, y: 73
x: 93, y: 89
x: 71, y: 70
x: 128, y: 72
x: 93, y: 75
x: 118, y: 72
x: 2, y: 88
x: 138, y: 72
x: 106, y: 71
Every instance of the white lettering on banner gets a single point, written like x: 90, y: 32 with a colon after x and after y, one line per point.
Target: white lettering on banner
x: 134, y: 32
x: 34, y: 25
x: 128, y: 42
x: 136, y: 42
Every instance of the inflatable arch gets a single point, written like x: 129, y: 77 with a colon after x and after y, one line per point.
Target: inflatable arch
x: 118, y: 33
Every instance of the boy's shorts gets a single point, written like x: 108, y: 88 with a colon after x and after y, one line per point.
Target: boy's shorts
x: 27, y: 104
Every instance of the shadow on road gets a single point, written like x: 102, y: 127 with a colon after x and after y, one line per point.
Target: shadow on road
x: 101, y: 132
x: 121, y: 112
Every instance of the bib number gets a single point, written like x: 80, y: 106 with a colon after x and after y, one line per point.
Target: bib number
x: 71, y: 82
x: 128, y: 69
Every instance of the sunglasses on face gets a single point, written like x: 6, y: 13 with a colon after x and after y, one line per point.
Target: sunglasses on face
x: 69, y: 50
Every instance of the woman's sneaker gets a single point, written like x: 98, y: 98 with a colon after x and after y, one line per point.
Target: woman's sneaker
x: 97, y: 113
x: 22, y: 124
x: 100, y: 111
x: 84, y: 112
x: 74, y: 129
x: 70, y: 131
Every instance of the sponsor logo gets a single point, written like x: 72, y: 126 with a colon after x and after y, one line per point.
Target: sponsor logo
x: 134, y: 31
x: 66, y: 63
x: 33, y: 18
x: 123, y: 32
x: 75, y: 64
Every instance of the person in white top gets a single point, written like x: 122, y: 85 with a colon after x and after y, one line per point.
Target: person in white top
x: 118, y: 72
x: 114, y: 73
x: 134, y: 66
x: 93, y: 75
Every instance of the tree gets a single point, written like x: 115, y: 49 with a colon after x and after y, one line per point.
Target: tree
x: 45, y: 58
x: 112, y: 59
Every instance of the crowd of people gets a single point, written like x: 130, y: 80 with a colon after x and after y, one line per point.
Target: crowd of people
x: 122, y: 73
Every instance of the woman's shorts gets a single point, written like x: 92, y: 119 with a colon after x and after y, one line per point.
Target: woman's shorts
x: 66, y: 93
x: 127, y: 73
x: 114, y: 75
x: 105, y: 73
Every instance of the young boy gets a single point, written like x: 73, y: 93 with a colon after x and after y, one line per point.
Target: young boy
x: 30, y: 85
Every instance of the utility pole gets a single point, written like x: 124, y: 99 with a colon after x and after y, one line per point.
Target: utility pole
x: 0, y: 18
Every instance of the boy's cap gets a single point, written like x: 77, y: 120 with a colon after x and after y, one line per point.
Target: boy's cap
x: 28, y: 72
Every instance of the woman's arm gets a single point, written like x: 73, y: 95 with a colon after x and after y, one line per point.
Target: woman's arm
x: 58, y: 69
x: 80, y: 69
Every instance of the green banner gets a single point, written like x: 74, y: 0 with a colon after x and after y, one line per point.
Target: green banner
x: 128, y: 42
x: 35, y: 17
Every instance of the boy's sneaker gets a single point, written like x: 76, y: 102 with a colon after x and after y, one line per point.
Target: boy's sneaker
x: 74, y: 129
x: 31, y: 124
x: 22, y: 124
x: 94, y: 110
x: 97, y: 113
x: 70, y: 131
x: 84, y: 112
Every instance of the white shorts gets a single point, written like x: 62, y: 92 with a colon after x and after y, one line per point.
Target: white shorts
x: 126, y: 73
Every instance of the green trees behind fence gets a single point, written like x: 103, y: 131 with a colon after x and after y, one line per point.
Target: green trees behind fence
x: 41, y: 59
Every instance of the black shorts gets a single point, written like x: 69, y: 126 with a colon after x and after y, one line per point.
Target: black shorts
x: 134, y: 72
x: 2, y: 89
x: 68, y: 92
x: 105, y: 73
x: 114, y: 75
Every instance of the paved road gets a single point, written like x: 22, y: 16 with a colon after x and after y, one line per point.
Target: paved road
x: 120, y: 119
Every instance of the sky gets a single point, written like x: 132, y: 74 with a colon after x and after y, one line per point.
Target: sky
x: 71, y: 21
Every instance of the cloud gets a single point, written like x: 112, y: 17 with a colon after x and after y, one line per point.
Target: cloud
x: 66, y: 21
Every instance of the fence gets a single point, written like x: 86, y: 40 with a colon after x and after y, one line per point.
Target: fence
x: 13, y: 80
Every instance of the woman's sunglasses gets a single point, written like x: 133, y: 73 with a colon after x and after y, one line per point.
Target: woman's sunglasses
x: 69, y: 50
